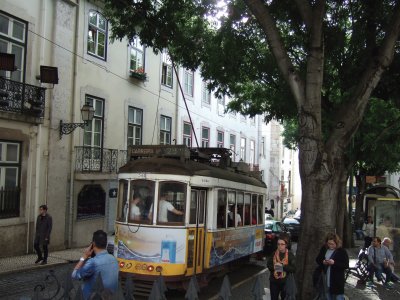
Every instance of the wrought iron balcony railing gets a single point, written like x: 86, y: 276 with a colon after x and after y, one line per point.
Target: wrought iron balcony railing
x: 21, y: 98
x: 92, y: 159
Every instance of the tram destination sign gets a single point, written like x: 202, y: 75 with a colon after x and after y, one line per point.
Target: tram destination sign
x: 178, y: 151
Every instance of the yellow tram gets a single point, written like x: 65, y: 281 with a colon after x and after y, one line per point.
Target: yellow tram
x: 184, y: 212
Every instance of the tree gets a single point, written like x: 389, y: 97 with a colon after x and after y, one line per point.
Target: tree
x: 284, y: 59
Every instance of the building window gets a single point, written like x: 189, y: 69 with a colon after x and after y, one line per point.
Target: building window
x: 135, y: 121
x: 13, y: 36
x: 165, y: 130
x: 187, y: 134
x: 252, y: 152
x: 137, y: 56
x: 232, y: 145
x: 10, y: 167
x: 220, y: 139
x: 205, y: 94
x: 221, y: 106
x: 97, y: 35
x: 188, y: 82
x: 205, y: 137
x: 242, y: 118
x: 166, y: 76
x: 93, y: 135
x: 243, y: 149
x: 91, y: 202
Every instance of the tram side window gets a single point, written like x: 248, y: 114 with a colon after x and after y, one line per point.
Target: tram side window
x: 253, y: 209
x: 260, y: 209
x: 197, y: 206
x: 240, y: 206
x: 234, y: 219
x: 221, y: 209
x: 122, y: 201
x: 247, y: 210
x: 141, y: 198
x: 171, y: 204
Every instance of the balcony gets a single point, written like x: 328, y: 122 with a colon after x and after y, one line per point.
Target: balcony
x: 21, y: 98
x: 101, y: 160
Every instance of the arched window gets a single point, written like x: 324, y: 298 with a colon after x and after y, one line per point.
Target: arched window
x: 91, y: 201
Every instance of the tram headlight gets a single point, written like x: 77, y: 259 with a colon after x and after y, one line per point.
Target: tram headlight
x: 121, y: 264
x: 150, y: 268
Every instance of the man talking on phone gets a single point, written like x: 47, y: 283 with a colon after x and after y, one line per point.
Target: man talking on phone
x: 89, y: 268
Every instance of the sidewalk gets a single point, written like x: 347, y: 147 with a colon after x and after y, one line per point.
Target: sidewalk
x: 353, y: 290
x: 26, y: 262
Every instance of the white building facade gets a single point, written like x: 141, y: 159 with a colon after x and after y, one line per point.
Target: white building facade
x: 46, y: 158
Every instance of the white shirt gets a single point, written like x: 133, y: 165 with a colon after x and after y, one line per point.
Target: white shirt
x: 368, y: 229
x: 163, y: 208
x: 238, y: 218
x: 134, y: 212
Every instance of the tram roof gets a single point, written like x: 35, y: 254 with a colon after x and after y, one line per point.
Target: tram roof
x: 194, y: 164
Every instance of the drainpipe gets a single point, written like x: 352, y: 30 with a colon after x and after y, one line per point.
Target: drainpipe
x: 38, y: 133
x: 73, y: 89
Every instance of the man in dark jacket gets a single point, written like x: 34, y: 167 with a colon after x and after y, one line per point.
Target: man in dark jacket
x: 44, y: 224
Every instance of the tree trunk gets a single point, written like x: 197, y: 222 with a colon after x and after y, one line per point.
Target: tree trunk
x: 323, y: 208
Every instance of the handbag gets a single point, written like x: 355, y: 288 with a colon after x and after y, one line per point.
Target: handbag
x: 290, y: 287
x: 317, y: 276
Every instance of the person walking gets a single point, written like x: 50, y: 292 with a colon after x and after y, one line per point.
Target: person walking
x: 44, y: 224
x: 88, y: 269
x: 368, y: 230
x: 280, y: 265
x: 333, y: 260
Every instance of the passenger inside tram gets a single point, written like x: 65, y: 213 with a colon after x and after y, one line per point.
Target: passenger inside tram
x: 164, y: 207
x: 135, y: 213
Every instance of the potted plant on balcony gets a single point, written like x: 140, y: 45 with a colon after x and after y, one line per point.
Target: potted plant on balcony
x: 138, y: 74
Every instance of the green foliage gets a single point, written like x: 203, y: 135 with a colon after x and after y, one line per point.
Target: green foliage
x: 235, y: 58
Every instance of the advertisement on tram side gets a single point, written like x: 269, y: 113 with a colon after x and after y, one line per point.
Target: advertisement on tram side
x: 141, y: 244
x: 232, y: 244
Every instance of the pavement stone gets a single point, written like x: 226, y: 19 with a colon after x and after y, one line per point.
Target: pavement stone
x: 353, y: 289
x: 27, y: 262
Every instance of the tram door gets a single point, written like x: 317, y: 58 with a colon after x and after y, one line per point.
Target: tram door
x: 196, y: 231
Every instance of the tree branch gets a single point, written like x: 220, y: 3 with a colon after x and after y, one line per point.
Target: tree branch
x: 305, y: 12
x: 350, y: 115
x: 260, y: 11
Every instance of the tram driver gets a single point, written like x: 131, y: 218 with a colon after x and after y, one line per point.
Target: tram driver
x: 164, y: 206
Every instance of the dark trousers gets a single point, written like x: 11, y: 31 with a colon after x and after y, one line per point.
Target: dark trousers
x: 36, y: 245
x: 276, y: 288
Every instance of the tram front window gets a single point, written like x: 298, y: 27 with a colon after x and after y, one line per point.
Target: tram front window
x: 171, y: 204
x: 141, y: 198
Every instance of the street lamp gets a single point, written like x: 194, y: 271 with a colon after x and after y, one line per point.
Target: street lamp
x: 87, y: 112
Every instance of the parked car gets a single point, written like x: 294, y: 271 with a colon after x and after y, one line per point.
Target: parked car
x: 274, y: 229
x: 293, y: 225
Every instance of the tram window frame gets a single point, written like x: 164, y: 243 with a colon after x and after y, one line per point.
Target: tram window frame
x: 260, y: 209
x: 221, y: 209
x: 247, y: 209
x: 254, y: 209
x: 122, y: 200
x: 177, y: 197
x: 145, y: 189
